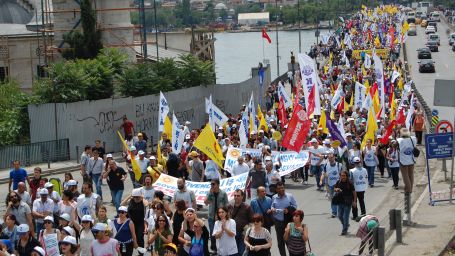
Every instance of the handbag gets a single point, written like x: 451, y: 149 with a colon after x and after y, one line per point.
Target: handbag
x: 415, y: 151
x: 310, y: 253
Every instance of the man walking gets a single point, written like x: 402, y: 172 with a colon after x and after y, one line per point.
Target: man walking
x: 359, y: 177
x: 316, y: 158
x: 17, y: 175
x: 262, y: 205
x: 94, y: 169
x: 331, y: 172
x: 282, y: 203
x: 184, y: 194
x: 243, y: 216
x: 240, y: 167
x: 116, y: 176
x: 256, y: 178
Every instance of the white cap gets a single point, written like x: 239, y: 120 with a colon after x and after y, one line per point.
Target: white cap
x: 72, y: 183
x: 109, y: 155
x: 49, y: 218
x: 65, y: 216
x: 44, y: 192
x: 152, y: 158
x: 141, y: 152
x: 268, y: 158
x: 187, y: 137
x: 220, y: 134
x: 23, y: 228
x: 132, y: 148
x: 48, y: 185
x: 123, y: 208
x: 261, y: 131
x: 314, y: 140
x: 187, y: 122
x: 272, y: 120
x: 326, y: 141
x: 350, y: 119
x: 234, y: 126
x: 253, y: 132
x: 69, y: 239
x: 348, y: 134
x: 87, y: 218
x: 100, y: 227
x: 356, y: 160
x: 69, y: 230
x: 136, y: 192
x: 39, y: 250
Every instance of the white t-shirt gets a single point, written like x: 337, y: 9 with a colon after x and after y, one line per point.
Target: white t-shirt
x: 370, y: 157
x: 359, y: 177
x: 39, y: 206
x: 106, y: 248
x: 272, y: 178
x: 240, y: 168
x: 406, y: 156
x: 314, y: 158
x: 148, y: 194
x: 394, y: 162
x: 226, y: 244
x: 333, y: 173
x: 143, y: 164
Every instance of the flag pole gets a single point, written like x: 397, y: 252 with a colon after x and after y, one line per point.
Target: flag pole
x: 263, y: 56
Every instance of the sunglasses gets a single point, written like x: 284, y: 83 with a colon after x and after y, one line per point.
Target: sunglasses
x: 95, y: 232
x: 85, y: 222
x: 161, y: 220
x: 64, y: 243
x: 121, y: 212
x: 48, y: 222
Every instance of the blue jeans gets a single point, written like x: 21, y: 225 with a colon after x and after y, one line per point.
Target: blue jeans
x: 117, y: 197
x: 332, y: 206
x: 38, y: 227
x: 344, y: 211
x: 96, y: 178
x: 240, y: 243
x: 317, y: 171
x: 370, y: 170
x: 212, y: 238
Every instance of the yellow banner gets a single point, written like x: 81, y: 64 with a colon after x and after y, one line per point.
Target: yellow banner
x: 207, y: 143
x: 382, y: 53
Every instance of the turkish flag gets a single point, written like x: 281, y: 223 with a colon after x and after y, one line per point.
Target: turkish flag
x: 310, y: 103
x: 266, y: 36
x: 282, y: 115
x: 298, y: 128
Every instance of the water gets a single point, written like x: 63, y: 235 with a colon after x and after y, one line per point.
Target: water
x: 237, y: 53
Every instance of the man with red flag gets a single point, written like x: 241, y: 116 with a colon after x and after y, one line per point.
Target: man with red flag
x: 265, y: 35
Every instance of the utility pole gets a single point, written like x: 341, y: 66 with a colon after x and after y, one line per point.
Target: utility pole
x: 277, y: 49
x: 298, y: 19
x: 144, y: 30
x: 156, y: 30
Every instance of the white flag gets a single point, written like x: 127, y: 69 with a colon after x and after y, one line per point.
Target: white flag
x: 359, y: 95
x: 367, y: 62
x: 378, y: 70
x: 218, y: 117
x: 346, y: 60
x: 242, y: 135
x: 309, y: 76
x: 283, y: 93
x: 395, y: 75
x: 210, y: 111
x: 410, y: 112
x: 162, y: 112
x: 178, y: 136
x: 337, y: 96
x: 252, y: 113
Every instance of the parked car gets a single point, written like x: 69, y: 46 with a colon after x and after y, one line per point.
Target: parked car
x: 429, y: 30
x: 434, y: 37
x: 433, y: 46
x: 452, y: 39
x: 434, y: 24
x: 426, y: 66
x: 423, y: 53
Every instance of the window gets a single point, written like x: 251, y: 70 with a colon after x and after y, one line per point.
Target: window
x: 41, y: 71
x: 3, y: 73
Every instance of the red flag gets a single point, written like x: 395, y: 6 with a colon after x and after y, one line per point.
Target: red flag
x: 298, y: 128
x: 282, y: 115
x: 385, y: 138
x: 311, y: 101
x: 401, y: 118
x: 266, y: 36
x: 340, y: 106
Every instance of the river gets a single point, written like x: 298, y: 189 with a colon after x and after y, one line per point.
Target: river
x: 237, y: 53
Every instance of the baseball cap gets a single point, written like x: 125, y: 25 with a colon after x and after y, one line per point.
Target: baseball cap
x: 141, y: 152
x: 65, y: 216
x: 72, y: 183
x: 314, y: 140
x: 348, y: 134
x: 152, y: 158
x: 136, y: 192
x: 187, y: 122
x: 23, y: 228
x: 132, y: 148
x: 48, y: 185
x: 44, y: 192
x: 69, y: 230
x: 171, y: 246
x: 371, y: 224
x: 99, y: 227
x: 39, y: 250
x: 69, y: 240
x: 87, y: 218
x: 122, y: 209
x: 109, y: 155
x: 49, y: 218
x: 268, y: 158
x: 220, y: 134
x: 356, y: 160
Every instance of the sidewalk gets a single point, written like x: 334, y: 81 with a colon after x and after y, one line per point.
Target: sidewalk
x: 434, y: 228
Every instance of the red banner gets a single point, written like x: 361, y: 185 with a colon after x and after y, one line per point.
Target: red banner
x: 385, y: 138
x: 282, y: 115
x: 311, y: 101
x: 297, y: 130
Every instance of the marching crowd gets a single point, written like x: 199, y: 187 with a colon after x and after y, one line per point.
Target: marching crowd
x: 41, y: 221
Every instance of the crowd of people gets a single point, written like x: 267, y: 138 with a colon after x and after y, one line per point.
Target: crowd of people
x: 73, y: 219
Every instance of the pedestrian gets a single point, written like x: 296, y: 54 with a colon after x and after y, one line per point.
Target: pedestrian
x: 200, y: 240
x: 125, y: 233
x: 34, y: 182
x: 48, y: 230
x: 242, y: 214
x: 161, y: 235
x: 182, y: 193
x: 136, y: 211
x: 406, y: 145
x: 85, y: 157
x: 316, y: 158
x: 177, y: 219
x: 88, y: 203
x: 22, y: 191
x: 86, y: 236
x: 10, y: 229
x: 257, y: 177
x: 55, y: 197
x: 258, y: 240
x: 68, y: 246
x: 116, y: 177
x: 215, y: 199
x: 365, y: 232
x: 346, y: 188
x: 38, y: 251
x: 224, y: 232
x: 141, y: 143
x: 94, y: 170
x: 155, y: 169
x: 419, y: 124
x: 26, y: 243
x: 394, y: 165
x: 128, y: 127
x: 103, y: 244
x: 354, y: 152
x: 371, y: 160
x: 68, y: 177
x: 102, y: 218
x: 16, y: 175
x: 296, y: 235
x: 99, y: 147
x: 283, y: 204
x: 331, y: 172
x: 186, y: 232
x: 42, y: 207
x: 262, y: 205
x: 240, y: 167
x: 67, y: 205
x: 196, y: 166
x: 359, y: 177
x: 272, y: 176
x: 143, y: 163
x: 72, y: 186
x: 148, y: 192
x: 21, y: 210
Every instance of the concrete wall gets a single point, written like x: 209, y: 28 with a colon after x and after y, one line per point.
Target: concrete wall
x: 173, y: 40
x: 84, y: 122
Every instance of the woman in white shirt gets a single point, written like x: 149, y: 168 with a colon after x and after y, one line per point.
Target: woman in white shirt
x: 354, y: 152
x: 394, y: 165
x: 371, y: 160
x: 224, y: 232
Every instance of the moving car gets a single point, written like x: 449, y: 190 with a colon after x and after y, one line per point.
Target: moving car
x: 433, y: 46
x: 423, y: 53
x: 424, y: 23
x: 452, y: 39
x: 412, y: 31
x: 435, y: 17
x: 429, y: 30
x: 434, y: 24
x: 434, y: 37
x: 426, y: 66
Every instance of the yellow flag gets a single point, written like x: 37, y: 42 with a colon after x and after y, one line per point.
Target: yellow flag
x: 405, y: 27
x: 260, y: 115
x: 400, y: 84
x: 372, y: 127
x: 376, y: 104
x: 393, y: 107
x: 134, y: 164
x: 207, y: 143
x: 168, y: 127
x: 377, y: 42
x: 263, y: 123
x: 367, y: 86
x: 323, y: 122
x: 159, y: 157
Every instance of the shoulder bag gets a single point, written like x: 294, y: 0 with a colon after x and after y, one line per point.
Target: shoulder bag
x: 415, y: 151
x: 268, y: 220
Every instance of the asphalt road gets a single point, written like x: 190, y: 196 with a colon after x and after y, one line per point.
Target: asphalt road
x: 444, y: 64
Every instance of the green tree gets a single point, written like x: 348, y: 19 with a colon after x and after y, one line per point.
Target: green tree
x: 14, y: 125
x: 194, y: 72
x: 85, y: 44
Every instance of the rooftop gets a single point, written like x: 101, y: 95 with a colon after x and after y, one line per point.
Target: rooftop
x: 12, y: 13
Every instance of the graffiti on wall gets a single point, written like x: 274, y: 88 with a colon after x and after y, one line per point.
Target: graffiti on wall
x: 146, y: 116
x: 104, y: 121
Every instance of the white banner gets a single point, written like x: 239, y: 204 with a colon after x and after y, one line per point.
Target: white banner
x: 168, y: 185
x: 51, y: 245
x: 290, y: 160
x: 163, y: 111
x: 282, y: 93
x: 367, y: 62
x: 309, y: 79
x: 242, y: 135
x: 410, y: 112
x: 178, y: 136
x: 337, y: 96
x: 378, y: 70
x: 359, y: 95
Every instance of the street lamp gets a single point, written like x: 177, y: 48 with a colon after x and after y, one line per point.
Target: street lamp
x: 277, y: 44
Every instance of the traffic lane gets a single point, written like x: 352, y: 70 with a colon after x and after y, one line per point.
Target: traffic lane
x: 444, y: 65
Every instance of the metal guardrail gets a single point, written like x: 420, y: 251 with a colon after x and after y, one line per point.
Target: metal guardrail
x: 35, y: 153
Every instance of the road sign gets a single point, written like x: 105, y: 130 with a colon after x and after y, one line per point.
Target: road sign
x: 434, y: 117
x: 443, y: 93
x: 439, y: 145
x: 444, y: 127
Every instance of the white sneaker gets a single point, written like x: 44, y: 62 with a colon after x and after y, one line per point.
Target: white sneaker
x: 306, y: 182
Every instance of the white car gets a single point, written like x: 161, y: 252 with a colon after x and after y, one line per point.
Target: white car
x: 430, y: 30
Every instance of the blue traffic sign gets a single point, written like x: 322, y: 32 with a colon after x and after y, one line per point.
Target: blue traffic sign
x: 434, y: 112
x: 439, y: 145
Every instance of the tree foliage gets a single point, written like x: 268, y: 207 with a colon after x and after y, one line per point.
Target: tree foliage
x: 14, y: 126
x: 85, y: 44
